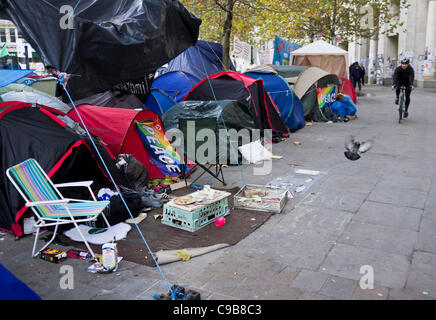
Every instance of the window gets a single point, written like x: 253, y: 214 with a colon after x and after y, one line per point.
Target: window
x: 12, y: 35
x: 3, y: 35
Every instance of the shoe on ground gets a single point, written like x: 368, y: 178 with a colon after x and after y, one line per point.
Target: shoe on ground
x: 406, y: 114
x: 397, y: 101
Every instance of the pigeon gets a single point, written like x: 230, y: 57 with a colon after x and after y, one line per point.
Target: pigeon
x: 355, y: 148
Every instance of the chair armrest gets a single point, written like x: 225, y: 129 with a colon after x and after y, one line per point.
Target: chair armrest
x: 51, y: 202
x: 74, y: 184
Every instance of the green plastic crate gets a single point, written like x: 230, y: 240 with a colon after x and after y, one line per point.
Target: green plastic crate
x: 197, y: 219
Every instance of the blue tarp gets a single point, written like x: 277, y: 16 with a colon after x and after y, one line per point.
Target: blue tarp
x: 344, y: 107
x: 290, y: 107
x: 13, y: 289
x: 192, y: 59
x: 169, y: 89
x: 8, y: 76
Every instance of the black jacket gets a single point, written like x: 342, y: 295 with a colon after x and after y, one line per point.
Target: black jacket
x: 356, y: 71
x: 404, y: 77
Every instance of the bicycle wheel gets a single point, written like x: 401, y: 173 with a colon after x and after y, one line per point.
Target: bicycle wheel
x: 401, y: 106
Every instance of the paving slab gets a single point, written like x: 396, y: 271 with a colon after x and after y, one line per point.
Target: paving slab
x: 389, y: 215
x: 339, y: 288
x: 390, y: 270
x: 399, y: 196
x: 421, y: 276
x: 381, y: 238
x: 336, y: 199
x: 377, y: 293
x: 308, y: 280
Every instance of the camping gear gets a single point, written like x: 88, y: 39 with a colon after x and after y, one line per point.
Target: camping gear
x: 98, y: 236
x: 48, y: 204
x: 344, y: 107
x: 118, y: 129
x: 261, y: 198
x: 163, y: 239
x: 35, y: 97
x: 30, y: 132
x: 323, y: 55
x: 169, y: 89
x: 236, y: 86
x: 134, y: 170
x: 8, y: 76
x: 12, y: 288
x: 289, y: 105
x: 116, y: 212
x: 346, y: 87
x: 305, y: 81
x: 105, y: 43
x: 46, y: 85
x: 200, y: 60
x: 196, y: 215
x: 190, y: 129
x: 229, y: 114
x: 112, y: 99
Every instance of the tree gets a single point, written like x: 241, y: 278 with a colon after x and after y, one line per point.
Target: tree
x: 257, y: 21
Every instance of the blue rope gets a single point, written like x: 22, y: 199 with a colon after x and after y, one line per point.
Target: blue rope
x: 62, y: 82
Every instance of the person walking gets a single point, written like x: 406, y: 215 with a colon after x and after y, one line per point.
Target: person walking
x: 363, y: 73
x: 356, y: 75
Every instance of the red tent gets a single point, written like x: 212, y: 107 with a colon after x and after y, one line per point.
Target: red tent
x: 346, y: 87
x: 231, y: 85
x: 117, y: 128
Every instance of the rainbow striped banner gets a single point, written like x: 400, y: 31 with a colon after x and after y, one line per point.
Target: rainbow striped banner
x: 159, y: 148
x: 326, y: 96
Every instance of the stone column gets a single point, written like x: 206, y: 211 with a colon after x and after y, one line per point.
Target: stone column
x: 372, y: 75
x: 430, y: 40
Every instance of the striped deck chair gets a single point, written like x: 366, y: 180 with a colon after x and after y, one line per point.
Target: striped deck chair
x: 48, y: 204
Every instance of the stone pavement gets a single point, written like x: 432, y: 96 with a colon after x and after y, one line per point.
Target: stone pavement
x: 379, y: 211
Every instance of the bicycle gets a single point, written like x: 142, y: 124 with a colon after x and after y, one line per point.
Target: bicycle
x: 401, y: 102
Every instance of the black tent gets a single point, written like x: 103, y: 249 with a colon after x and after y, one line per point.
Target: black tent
x: 104, y: 43
x: 30, y: 132
x: 236, y: 86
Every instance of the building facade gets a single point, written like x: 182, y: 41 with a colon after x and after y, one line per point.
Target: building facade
x: 16, y: 47
x: 415, y: 40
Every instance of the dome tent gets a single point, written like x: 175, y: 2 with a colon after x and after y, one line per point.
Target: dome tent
x: 289, y: 105
x: 236, y: 86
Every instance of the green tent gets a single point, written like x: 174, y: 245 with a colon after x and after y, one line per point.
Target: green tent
x: 227, y: 114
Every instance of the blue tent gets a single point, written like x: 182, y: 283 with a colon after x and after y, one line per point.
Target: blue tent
x: 290, y: 107
x: 8, y: 76
x: 201, y: 60
x: 169, y: 89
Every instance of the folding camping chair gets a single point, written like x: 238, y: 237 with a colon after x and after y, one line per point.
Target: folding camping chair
x: 48, y: 204
x: 190, y: 149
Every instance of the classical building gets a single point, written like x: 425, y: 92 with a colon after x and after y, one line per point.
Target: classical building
x: 16, y: 46
x: 416, y: 40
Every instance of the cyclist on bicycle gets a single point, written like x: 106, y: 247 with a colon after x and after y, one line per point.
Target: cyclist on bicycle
x: 404, y: 75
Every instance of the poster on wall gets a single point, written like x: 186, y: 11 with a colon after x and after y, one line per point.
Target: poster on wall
x: 282, y: 51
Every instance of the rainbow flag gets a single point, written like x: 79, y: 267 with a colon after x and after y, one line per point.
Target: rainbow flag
x: 159, y: 149
x: 326, y: 96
